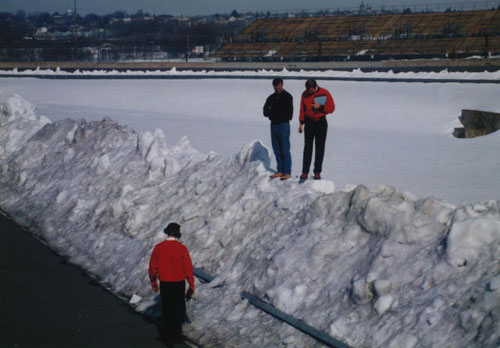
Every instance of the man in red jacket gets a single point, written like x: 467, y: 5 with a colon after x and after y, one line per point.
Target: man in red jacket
x: 171, y: 264
x: 315, y: 104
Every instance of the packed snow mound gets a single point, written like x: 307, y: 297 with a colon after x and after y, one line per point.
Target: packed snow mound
x: 371, y: 267
x: 18, y: 123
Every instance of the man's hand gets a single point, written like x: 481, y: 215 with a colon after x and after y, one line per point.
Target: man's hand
x: 189, y: 294
x: 300, y: 128
x: 316, y: 106
x: 154, y: 286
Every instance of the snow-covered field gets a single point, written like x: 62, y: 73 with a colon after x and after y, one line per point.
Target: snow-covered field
x: 381, y: 264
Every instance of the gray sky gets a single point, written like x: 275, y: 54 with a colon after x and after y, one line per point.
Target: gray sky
x: 201, y: 7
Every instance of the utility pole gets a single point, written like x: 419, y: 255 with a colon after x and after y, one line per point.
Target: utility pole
x: 187, y: 46
x: 75, y: 29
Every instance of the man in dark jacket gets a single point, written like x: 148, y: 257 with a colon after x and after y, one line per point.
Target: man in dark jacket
x: 279, y: 109
x: 171, y: 264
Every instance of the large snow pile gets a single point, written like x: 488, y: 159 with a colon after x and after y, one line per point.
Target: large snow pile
x: 374, y: 268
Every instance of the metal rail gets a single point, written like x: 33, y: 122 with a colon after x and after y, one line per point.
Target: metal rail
x: 298, y: 324
x: 287, y: 318
x: 205, y: 277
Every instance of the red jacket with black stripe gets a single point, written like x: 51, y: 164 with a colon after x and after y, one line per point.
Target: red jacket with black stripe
x: 170, y: 262
x: 307, y: 101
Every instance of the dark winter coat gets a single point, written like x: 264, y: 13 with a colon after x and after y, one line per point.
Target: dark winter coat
x: 279, y: 107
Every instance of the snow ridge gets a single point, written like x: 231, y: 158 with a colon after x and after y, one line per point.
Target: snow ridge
x: 303, y: 74
x: 372, y: 267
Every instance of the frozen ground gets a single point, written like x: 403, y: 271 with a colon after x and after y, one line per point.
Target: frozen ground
x: 373, y: 266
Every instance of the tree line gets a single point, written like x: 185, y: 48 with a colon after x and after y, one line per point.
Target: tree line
x: 42, y: 36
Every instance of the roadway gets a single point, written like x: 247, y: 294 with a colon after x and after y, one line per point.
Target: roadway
x: 46, y: 302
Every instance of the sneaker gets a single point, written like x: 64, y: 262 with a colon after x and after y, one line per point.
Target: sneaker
x: 303, y: 176
x: 285, y: 177
x: 276, y: 175
x: 317, y: 176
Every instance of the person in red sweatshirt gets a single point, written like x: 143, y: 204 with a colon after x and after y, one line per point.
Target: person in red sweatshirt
x: 171, y: 264
x: 315, y: 104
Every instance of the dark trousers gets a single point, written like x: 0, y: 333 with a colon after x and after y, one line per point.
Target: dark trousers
x: 173, y: 306
x: 314, y: 132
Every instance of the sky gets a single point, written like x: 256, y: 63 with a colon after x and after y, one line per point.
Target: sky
x: 204, y: 7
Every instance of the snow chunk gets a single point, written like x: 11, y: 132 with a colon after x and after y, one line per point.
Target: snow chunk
x: 255, y: 151
x: 17, y: 107
x: 102, y: 164
x: 18, y: 123
x: 324, y: 186
x: 382, y: 287
x: 361, y: 292
x: 135, y: 299
x: 383, y: 304
x: 470, y: 238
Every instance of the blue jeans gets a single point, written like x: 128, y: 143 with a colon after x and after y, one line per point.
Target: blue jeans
x: 280, y: 137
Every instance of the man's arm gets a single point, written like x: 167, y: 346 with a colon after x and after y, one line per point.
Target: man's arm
x: 329, y: 106
x: 302, y: 110
x: 188, y: 270
x: 289, y: 110
x: 301, y: 114
x: 153, y: 269
x: 267, y: 107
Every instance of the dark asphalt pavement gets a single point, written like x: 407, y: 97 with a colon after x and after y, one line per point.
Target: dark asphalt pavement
x: 46, y: 302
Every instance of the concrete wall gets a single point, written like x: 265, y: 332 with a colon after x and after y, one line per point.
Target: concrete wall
x: 477, y: 123
x: 480, y: 64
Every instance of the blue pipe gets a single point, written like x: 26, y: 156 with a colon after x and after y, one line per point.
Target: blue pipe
x: 287, y: 318
x: 198, y: 272
x: 298, y: 324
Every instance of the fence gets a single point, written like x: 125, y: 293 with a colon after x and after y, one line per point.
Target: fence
x: 327, y: 38
x: 366, y: 9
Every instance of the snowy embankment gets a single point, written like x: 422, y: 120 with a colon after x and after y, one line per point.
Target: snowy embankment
x: 302, y: 74
x: 373, y: 268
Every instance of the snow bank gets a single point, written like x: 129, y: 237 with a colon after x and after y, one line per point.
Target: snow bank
x: 355, y: 73
x: 374, y: 268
